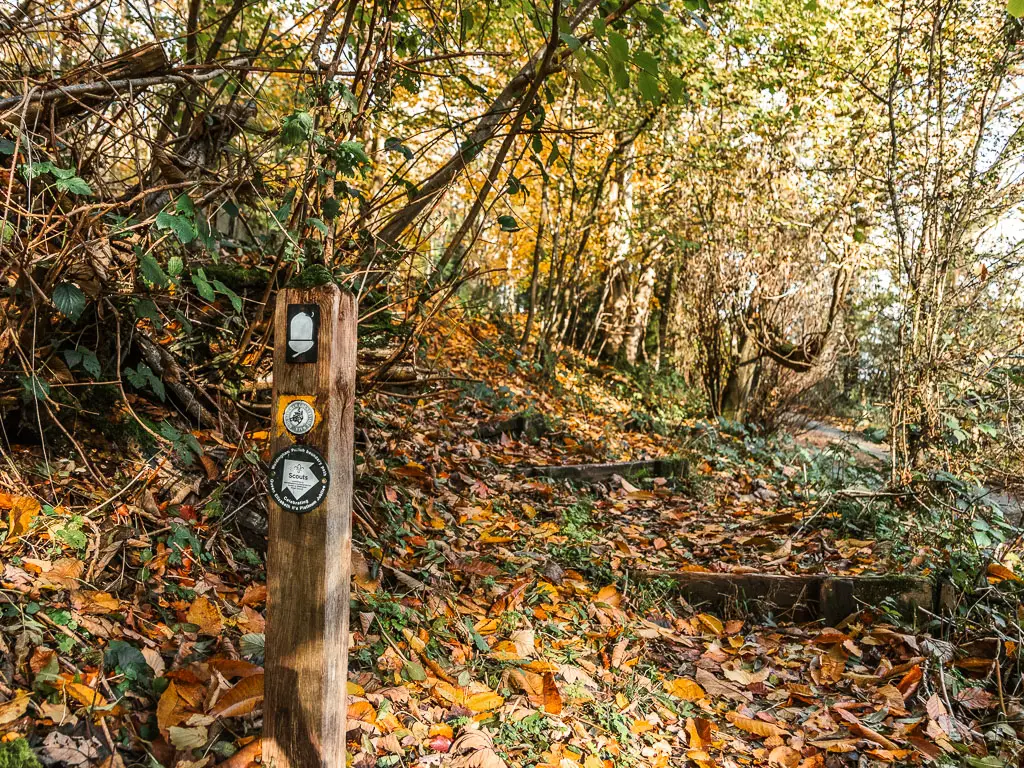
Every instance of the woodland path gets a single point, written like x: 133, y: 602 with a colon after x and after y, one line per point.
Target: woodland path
x: 820, y: 435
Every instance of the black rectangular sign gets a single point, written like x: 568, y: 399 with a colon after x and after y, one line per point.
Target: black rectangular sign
x: 303, y: 333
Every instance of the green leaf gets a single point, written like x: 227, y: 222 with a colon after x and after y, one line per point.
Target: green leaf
x: 508, y: 223
x: 185, y: 205
x: 91, y: 363
x: 252, y: 644
x: 317, y: 224
x: 175, y: 266
x: 127, y: 660
x: 570, y: 40
x: 203, y: 285
x: 331, y: 208
x: 618, y: 48
x: 648, y: 87
x: 350, y: 157
x: 146, y: 309
x: 620, y: 75
x: 69, y: 300
x: 236, y: 301
x: 1015, y: 8
x: 415, y: 671
x: 182, y: 227
x: 6, y: 147
x: 152, y: 271
x: 297, y: 128
x: 647, y: 62
x: 74, y: 185
x: 35, y: 387
x: 392, y: 144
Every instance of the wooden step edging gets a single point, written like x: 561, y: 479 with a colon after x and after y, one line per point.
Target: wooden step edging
x: 805, y: 597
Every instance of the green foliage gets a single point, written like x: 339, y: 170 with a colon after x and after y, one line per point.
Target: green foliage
x: 69, y: 300
x: 65, y: 179
x: 297, y: 128
x: 142, y: 377
x: 18, y: 754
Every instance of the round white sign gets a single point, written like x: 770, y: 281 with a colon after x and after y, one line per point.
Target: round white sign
x: 299, y: 417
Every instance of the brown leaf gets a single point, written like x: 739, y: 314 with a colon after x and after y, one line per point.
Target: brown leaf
x: 552, y: 698
x: 475, y: 749
x: 241, y: 699
x: 787, y: 757
x: 975, y: 698
x: 756, y: 727
x: 699, y: 732
x: 999, y: 572
x: 716, y: 687
x: 860, y: 729
x: 170, y: 710
x: 246, y: 757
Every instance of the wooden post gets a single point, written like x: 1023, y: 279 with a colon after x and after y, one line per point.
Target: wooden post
x: 309, y: 546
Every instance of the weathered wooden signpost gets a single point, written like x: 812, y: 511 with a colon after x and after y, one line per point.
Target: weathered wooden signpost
x: 308, y: 554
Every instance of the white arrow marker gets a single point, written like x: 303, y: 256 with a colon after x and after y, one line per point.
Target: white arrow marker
x: 298, y: 478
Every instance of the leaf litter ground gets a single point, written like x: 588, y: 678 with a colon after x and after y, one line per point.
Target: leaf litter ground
x: 498, y: 619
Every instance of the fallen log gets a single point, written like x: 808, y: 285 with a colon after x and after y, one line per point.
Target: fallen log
x: 592, y: 473
x: 804, y: 597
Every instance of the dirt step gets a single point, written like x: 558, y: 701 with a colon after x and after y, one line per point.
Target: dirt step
x: 805, y: 597
x: 592, y: 473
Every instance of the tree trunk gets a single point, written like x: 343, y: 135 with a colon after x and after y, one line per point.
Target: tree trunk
x: 641, y: 312
x: 537, y: 250
x: 741, y: 380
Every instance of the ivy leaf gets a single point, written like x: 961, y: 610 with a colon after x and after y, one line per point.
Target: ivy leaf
x: 69, y: 300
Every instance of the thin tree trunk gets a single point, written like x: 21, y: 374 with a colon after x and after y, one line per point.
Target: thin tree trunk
x: 535, y: 271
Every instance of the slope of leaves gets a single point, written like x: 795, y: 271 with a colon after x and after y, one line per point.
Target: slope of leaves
x: 496, y: 617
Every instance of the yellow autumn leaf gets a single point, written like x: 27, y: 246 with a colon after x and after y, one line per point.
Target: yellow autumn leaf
x: 14, y: 708
x: 354, y: 689
x: 712, y: 623
x: 685, y: 689
x: 83, y: 694
x: 98, y: 603
x: 641, y: 726
x: 362, y: 710
x: 484, y: 702
x: 205, y: 615
x: 608, y: 595
x: 23, y: 510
